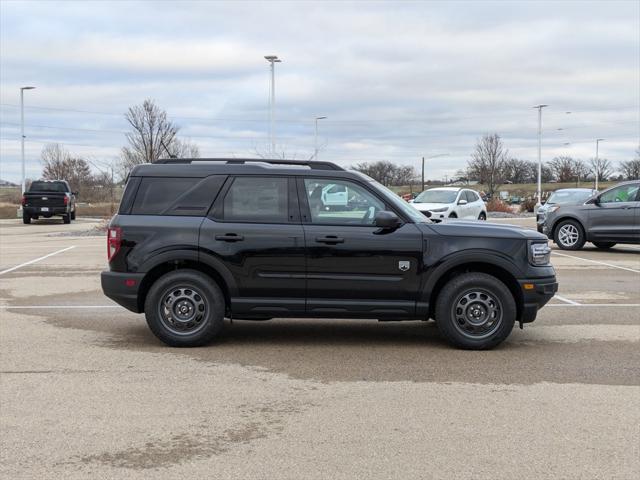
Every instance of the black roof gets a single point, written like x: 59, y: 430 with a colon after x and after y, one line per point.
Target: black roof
x: 201, y: 167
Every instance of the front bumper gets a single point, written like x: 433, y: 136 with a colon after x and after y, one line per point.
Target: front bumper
x: 536, y: 293
x: 122, y: 288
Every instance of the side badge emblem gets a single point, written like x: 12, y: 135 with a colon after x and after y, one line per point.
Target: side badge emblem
x: 404, y: 265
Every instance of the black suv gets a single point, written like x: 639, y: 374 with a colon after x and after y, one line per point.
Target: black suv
x: 198, y: 240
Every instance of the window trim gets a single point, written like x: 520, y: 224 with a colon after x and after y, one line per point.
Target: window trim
x: 305, y: 211
x: 217, y: 210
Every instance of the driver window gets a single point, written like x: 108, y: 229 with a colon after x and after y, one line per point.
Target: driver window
x: 623, y: 193
x: 340, y: 202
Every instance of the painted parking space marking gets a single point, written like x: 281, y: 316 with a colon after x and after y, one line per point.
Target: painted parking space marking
x: 36, y: 260
x: 597, y: 262
x: 566, y: 300
x: 580, y: 305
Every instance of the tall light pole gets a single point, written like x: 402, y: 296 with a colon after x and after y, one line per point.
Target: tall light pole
x: 22, y: 89
x: 429, y: 158
x: 540, y: 107
x: 597, y: 172
x: 272, y: 59
x: 315, y: 155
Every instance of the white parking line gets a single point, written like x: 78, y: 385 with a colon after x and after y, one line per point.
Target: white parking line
x: 566, y: 300
x: 32, y: 307
x: 596, y: 261
x: 629, y: 305
x: 36, y: 260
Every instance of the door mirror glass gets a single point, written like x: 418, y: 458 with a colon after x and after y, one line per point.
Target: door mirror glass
x: 386, y: 219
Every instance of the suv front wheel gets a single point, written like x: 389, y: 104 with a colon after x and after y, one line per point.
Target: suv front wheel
x: 569, y: 235
x: 475, y: 311
x: 185, y: 308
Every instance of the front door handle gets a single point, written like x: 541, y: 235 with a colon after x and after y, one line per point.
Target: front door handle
x: 230, y: 237
x: 330, y: 239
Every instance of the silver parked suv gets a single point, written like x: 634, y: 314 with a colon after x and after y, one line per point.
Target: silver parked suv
x: 605, y: 219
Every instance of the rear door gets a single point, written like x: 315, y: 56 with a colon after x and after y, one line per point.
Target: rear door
x: 354, y: 268
x: 254, y: 230
x: 614, y: 218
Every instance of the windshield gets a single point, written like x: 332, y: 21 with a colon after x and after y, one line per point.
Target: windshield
x: 437, y: 196
x: 400, y: 204
x: 568, y: 196
x: 48, y: 187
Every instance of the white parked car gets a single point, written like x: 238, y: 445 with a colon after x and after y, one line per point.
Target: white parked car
x: 450, y: 202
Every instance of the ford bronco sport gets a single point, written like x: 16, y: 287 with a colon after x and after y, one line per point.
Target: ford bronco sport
x: 198, y: 240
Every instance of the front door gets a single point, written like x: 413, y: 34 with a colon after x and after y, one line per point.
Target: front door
x: 354, y: 268
x: 254, y: 230
x: 613, y: 218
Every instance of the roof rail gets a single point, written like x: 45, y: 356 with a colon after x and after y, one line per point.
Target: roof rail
x: 317, y: 165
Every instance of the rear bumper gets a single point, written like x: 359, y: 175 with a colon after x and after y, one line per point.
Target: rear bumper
x: 537, y: 297
x: 122, y: 288
x: 33, y: 211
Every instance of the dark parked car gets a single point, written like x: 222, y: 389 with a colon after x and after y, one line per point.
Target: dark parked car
x: 48, y: 198
x: 563, y: 196
x: 197, y: 241
x: 605, y: 219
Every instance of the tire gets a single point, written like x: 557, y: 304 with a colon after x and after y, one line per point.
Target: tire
x: 73, y: 215
x: 188, y: 289
x: 482, y: 216
x: 604, y: 245
x: 569, y: 235
x: 455, y: 311
x: 26, y: 219
x: 66, y: 218
x: 453, y: 215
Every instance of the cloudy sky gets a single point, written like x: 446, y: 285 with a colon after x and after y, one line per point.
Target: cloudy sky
x: 396, y: 80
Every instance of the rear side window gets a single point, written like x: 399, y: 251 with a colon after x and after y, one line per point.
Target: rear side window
x: 257, y: 200
x: 176, y: 196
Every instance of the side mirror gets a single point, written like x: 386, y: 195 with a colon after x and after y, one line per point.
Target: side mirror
x: 462, y: 202
x: 386, y: 220
x: 75, y: 193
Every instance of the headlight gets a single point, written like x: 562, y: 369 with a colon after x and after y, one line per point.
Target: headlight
x: 553, y: 208
x: 539, y: 254
x: 436, y: 210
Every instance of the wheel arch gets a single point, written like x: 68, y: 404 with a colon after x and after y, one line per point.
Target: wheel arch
x: 492, y: 265
x: 186, y: 259
x: 561, y: 219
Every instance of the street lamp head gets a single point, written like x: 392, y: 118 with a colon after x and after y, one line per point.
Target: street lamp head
x: 540, y: 106
x: 320, y: 118
x: 27, y: 88
x: 272, y: 58
x: 600, y: 139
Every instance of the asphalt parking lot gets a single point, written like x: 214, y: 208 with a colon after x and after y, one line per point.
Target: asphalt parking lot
x: 88, y: 392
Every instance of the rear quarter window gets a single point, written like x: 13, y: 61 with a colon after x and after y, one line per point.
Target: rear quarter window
x: 176, y: 196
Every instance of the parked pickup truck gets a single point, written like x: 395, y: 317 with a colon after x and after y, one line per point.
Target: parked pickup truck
x: 47, y: 198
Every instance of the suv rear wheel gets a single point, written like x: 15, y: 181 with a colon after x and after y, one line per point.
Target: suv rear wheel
x: 26, y: 218
x: 185, y: 308
x: 569, y: 235
x: 475, y: 311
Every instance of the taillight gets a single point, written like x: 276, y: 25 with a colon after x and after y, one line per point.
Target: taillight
x: 66, y: 200
x: 24, y: 200
x: 114, y: 240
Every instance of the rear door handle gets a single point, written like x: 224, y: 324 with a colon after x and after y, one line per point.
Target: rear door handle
x: 330, y: 239
x: 230, y: 237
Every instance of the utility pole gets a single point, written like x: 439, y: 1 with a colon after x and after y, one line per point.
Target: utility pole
x: 540, y: 107
x: 272, y: 59
x: 22, y: 89
x: 315, y: 154
x: 429, y: 158
x: 422, y: 189
x: 597, y: 172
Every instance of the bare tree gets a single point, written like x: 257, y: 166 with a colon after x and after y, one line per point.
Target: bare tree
x: 580, y: 170
x: 600, y: 167
x: 562, y: 168
x: 631, y: 168
x: 519, y: 171
x: 153, y: 136
x: 488, y: 161
x: 387, y: 173
x: 59, y: 164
